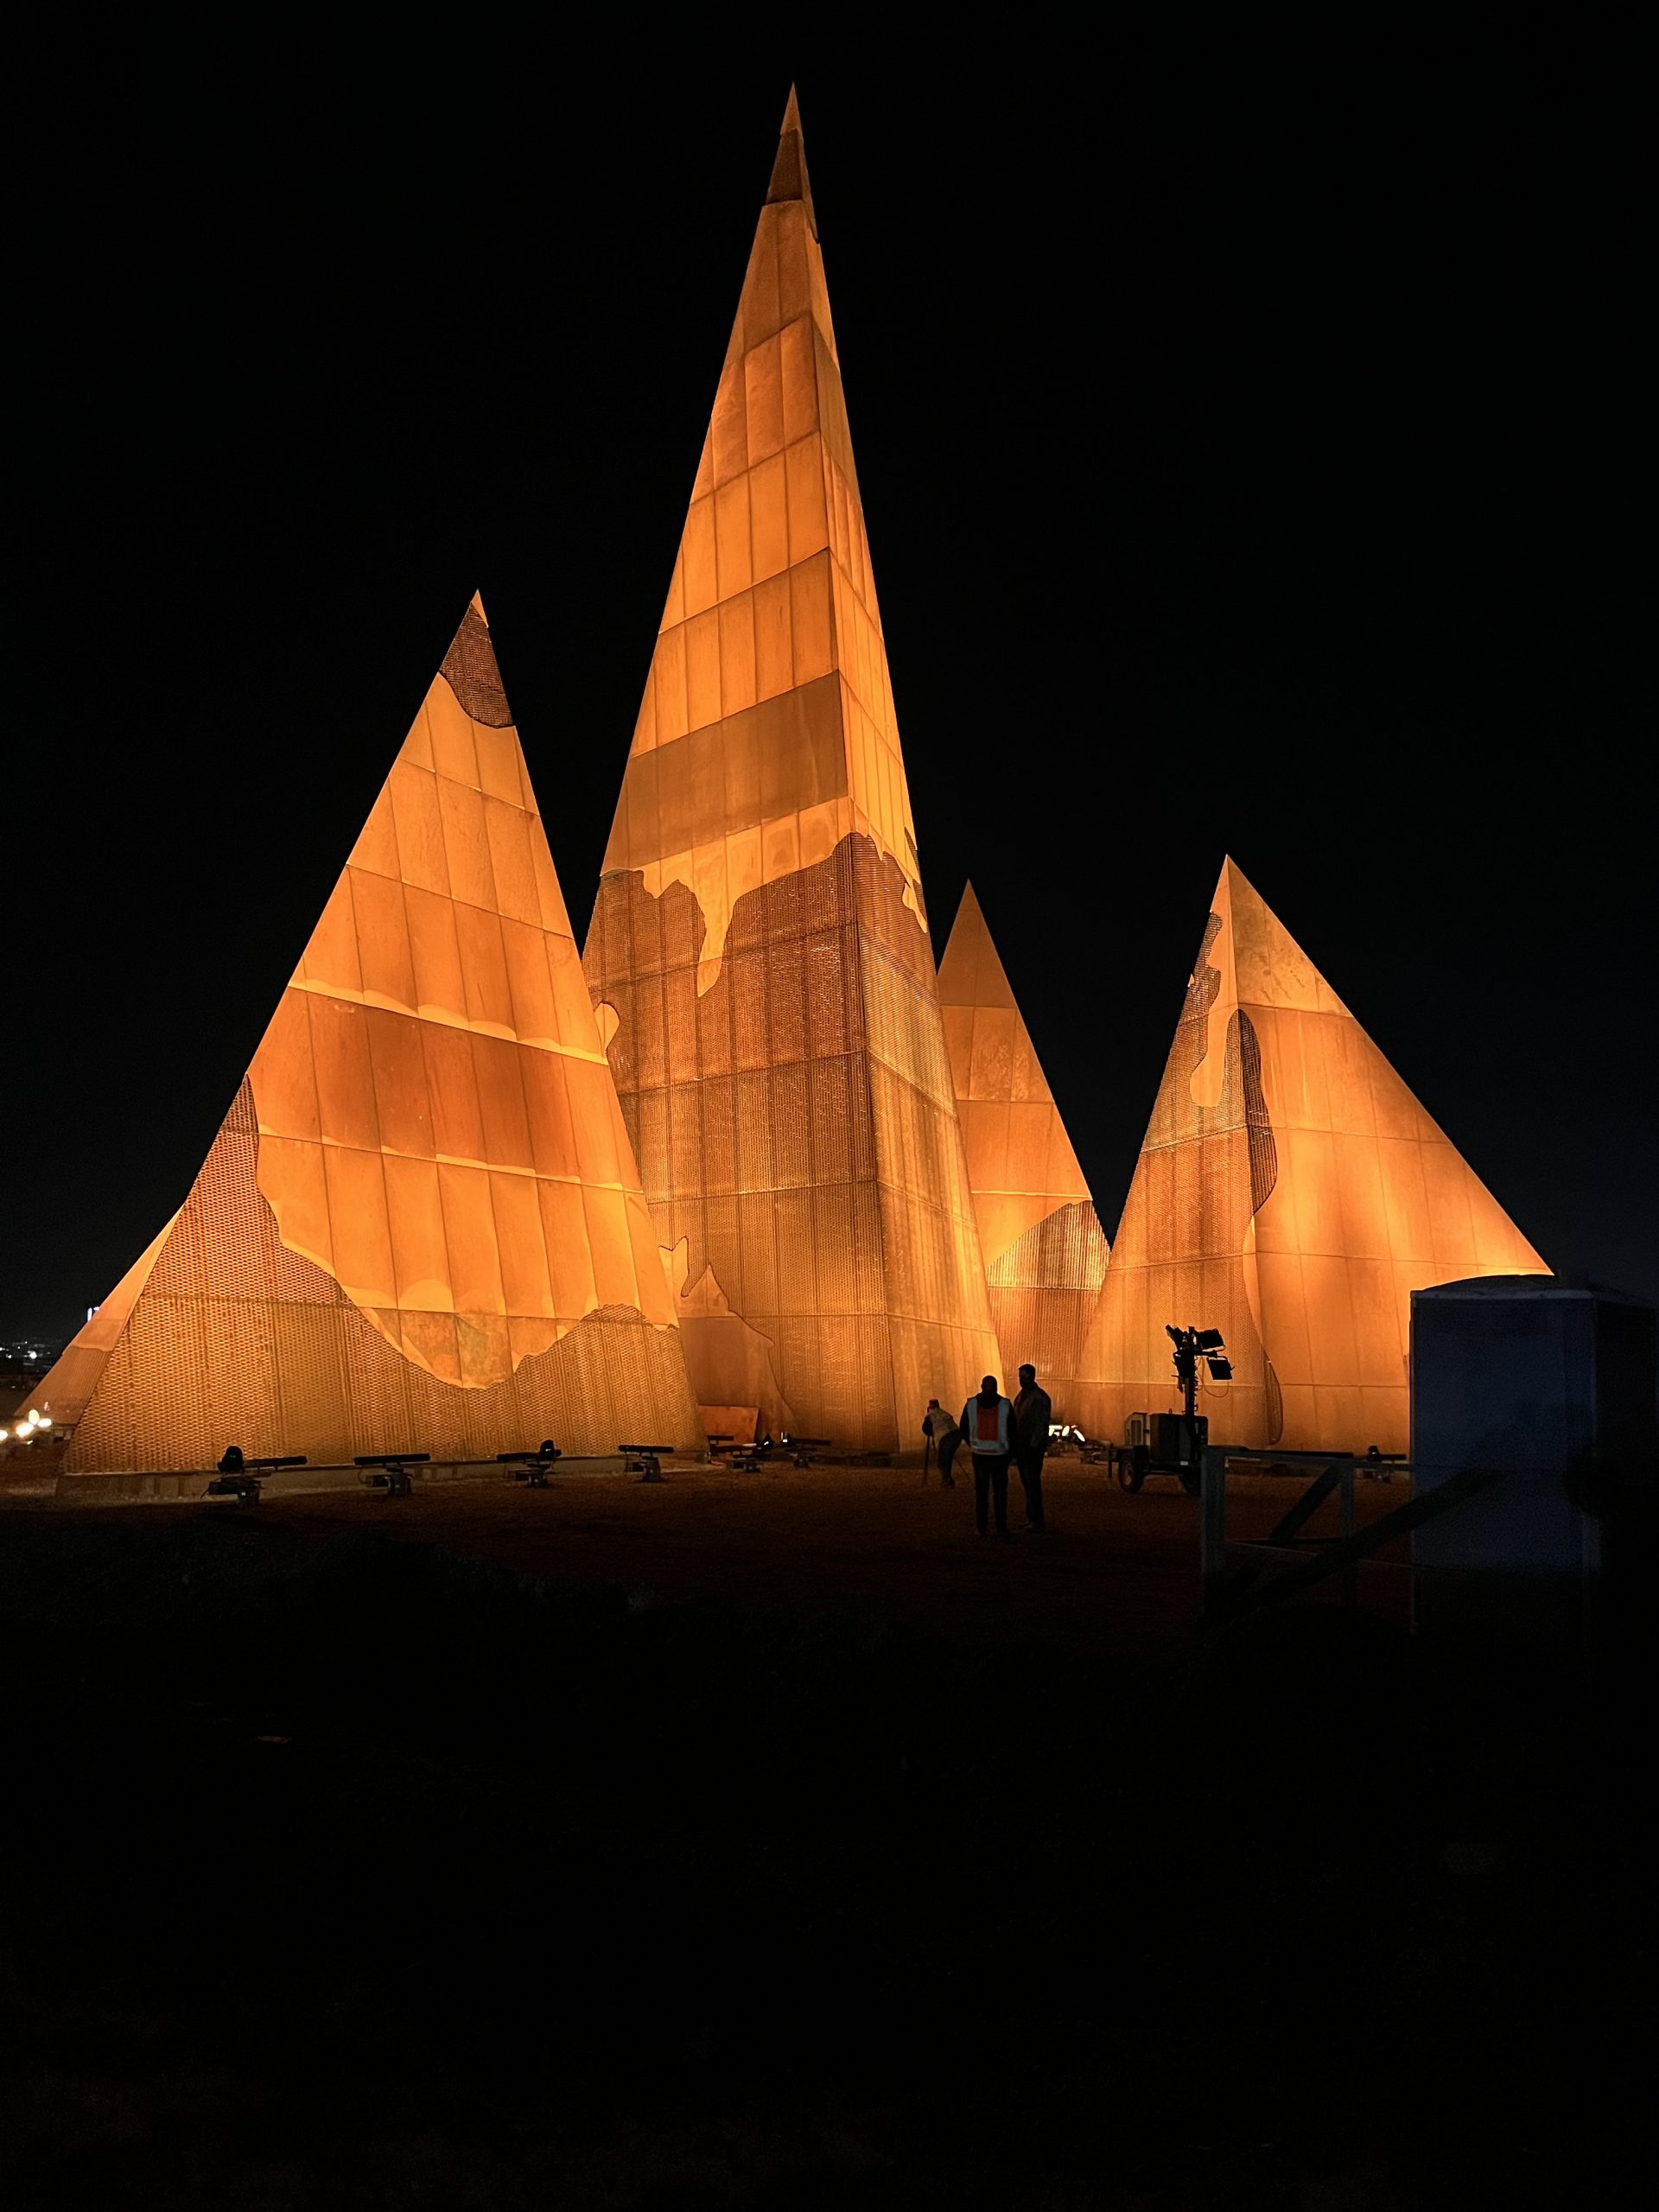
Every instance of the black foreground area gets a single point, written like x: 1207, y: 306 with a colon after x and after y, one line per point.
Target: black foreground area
x: 348, y: 1872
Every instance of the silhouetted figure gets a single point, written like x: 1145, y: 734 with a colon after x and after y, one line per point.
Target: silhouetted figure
x: 1033, y: 1409
x: 944, y: 1437
x: 988, y: 1424
x: 232, y: 1463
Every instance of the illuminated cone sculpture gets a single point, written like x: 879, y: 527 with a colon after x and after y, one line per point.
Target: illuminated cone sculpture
x: 1045, y: 1251
x: 1292, y: 1194
x: 760, y: 942
x: 420, y: 1226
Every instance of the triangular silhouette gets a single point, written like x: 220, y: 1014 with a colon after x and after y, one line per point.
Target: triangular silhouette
x: 1044, y: 1248
x: 760, y: 930
x: 1293, y: 1193
x: 420, y: 1225
x: 789, y: 177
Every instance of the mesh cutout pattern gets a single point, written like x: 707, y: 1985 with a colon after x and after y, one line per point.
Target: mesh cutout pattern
x: 235, y: 1339
x: 1264, y: 1153
x: 810, y: 1156
x: 470, y: 671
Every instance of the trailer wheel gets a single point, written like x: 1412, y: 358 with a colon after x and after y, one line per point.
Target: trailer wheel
x: 1131, y: 1467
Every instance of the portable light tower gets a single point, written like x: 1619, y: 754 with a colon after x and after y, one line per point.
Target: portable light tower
x: 1192, y: 1345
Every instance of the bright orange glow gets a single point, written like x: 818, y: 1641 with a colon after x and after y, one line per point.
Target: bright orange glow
x: 1045, y: 1251
x: 421, y: 1223
x: 1293, y: 1193
x: 758, y: 935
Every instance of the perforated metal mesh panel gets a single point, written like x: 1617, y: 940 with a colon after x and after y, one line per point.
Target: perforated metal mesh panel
x: 802, y: 1163
x: 470, y: 668
x: 236, y: 1340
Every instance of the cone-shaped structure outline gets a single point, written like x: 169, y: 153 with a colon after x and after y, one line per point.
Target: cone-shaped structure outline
x: 759, y: 932
x: 789, y: 177
x: 421, y: 1224
x: 1044, y: 1249
x: 1292, y: 1192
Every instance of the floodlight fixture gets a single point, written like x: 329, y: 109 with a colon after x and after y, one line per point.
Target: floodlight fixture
x: 389, y: 1471
x: 1221, y: 1368
x: 1206, y: 1340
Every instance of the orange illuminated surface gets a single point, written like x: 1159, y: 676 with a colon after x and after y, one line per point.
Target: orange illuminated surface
x: 1293, y: 1193
x: 421, y: 1223
x: 759, y: 941
x: 1045, y: 1251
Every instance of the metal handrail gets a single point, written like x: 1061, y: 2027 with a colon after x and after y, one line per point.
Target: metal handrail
x: 1231, y: 1595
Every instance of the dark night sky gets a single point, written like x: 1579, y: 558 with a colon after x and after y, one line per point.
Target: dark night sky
x: 1252, y: 451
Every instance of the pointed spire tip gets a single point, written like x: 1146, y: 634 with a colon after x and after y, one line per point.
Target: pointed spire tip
x: 789, y: 179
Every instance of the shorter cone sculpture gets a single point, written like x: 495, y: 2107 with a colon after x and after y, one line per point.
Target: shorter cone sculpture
x: 1292, y: 1194
x: 1045, y: 1251
x: 420, y: 1227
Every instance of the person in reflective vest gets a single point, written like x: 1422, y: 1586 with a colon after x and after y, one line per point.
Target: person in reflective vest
x: 988, y: 1424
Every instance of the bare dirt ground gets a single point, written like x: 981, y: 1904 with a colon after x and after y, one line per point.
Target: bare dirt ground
x: 1112, y: 1573
x: 771, y: 1844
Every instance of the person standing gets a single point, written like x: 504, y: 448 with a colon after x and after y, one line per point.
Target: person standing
x: 988, y: 1423
x: 1034, y: 1410
x: 946, y: 1438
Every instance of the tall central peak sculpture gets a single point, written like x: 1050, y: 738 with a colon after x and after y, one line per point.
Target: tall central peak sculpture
x: 420, y: 1225
x: 758, y: 950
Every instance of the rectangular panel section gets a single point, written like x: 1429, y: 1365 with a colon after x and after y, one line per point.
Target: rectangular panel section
x: 469, y: 1234
x: 384, y: 960
x: 340, y: 1054
x: 420, y: 1252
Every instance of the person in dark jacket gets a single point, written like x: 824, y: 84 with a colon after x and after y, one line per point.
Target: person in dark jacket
x: 1034, y: 1410
x: 946, y: 1438
x: 988, y: 1424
